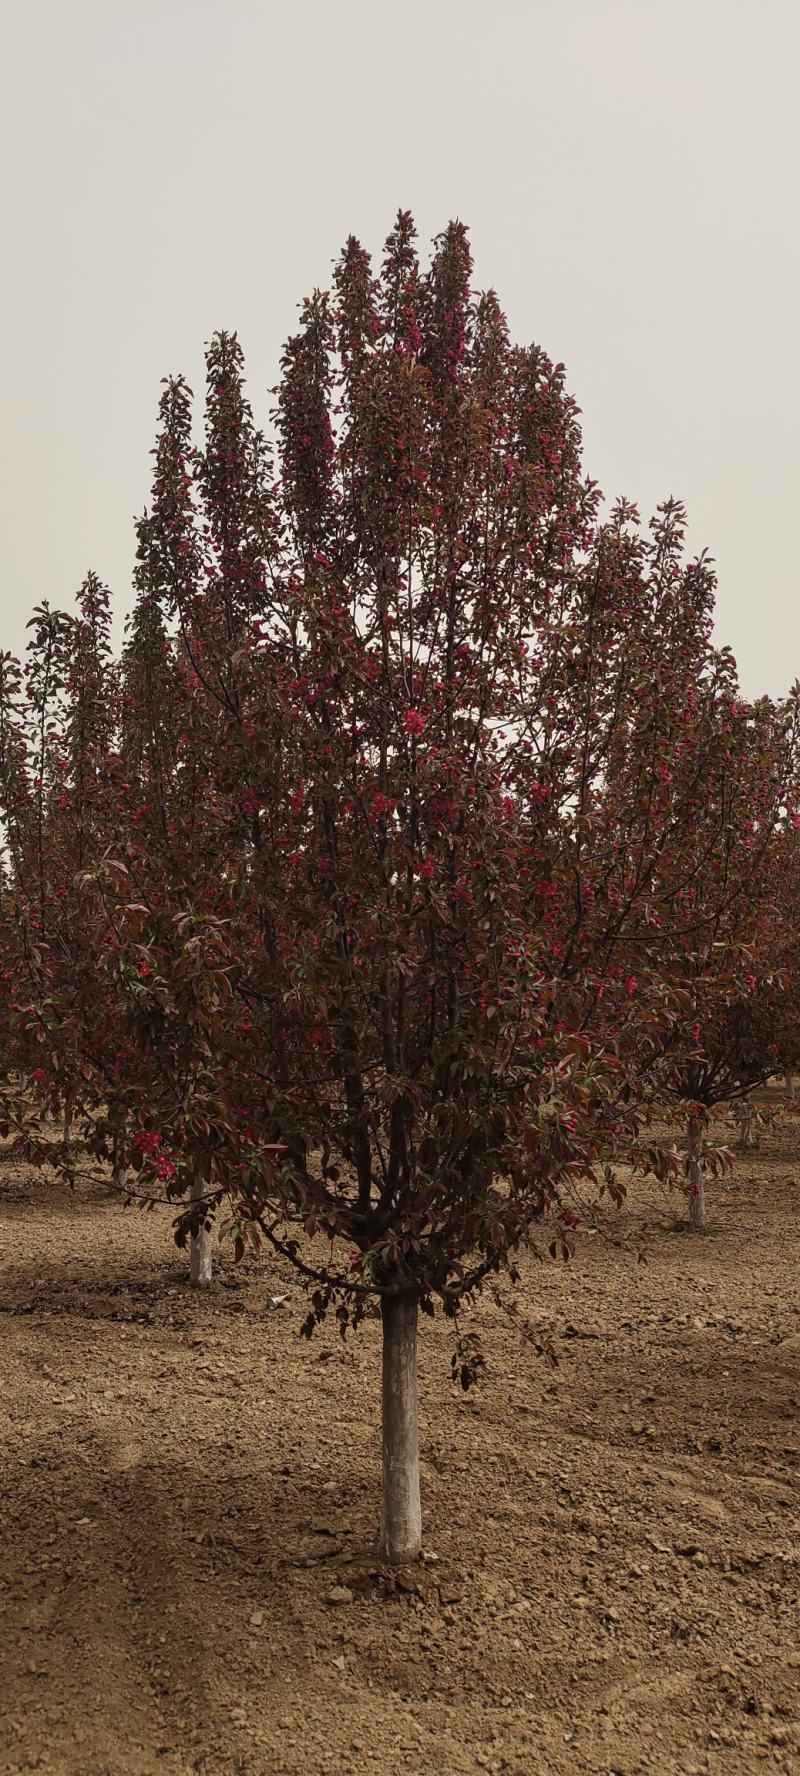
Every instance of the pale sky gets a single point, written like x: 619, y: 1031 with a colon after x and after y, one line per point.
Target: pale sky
x: 629, y: 171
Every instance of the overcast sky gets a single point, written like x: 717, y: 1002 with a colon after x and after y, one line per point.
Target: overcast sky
x: 628, y: 170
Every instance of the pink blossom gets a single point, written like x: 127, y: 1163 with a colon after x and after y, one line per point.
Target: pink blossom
x: 147, y: 1141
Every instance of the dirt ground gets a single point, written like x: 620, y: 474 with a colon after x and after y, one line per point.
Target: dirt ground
x: 612, y: 1575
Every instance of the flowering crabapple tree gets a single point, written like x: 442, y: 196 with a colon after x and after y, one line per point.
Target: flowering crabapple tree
x: 56, y: 718
x: 731, y: 938
x: 401, y: 808
x: 679, y: 794
x: 409, y: 661
x: 756, y: 1034
x: 81, y: 1007
x: 103, y: 784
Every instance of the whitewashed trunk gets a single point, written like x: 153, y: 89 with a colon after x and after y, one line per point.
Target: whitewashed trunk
x: 401, y: 1512
x: 790, y: 1087
x: 748, y: 1127
x: 200, y: 1259
x: 67, y: 1120
x: 694, y: 1172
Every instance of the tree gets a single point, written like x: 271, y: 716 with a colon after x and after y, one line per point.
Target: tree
x: 755, y: 1032
x: 402, y: 819
x: 377, y: 649
x: 733, y: 949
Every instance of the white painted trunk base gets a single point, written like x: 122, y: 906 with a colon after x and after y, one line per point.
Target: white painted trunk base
x: 119, y: 1170
x: 401, y: 1511
x: 200, y: 1247
x: 748, y: 1128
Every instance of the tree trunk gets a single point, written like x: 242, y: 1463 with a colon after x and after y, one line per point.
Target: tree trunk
x: 401, y: 1515
x: 748, y: 1130
x: 790, y: 1087
x: 694, y: 1172
x: 67, y: 1120
x: 119, y: 1170
x: 200, y: 1259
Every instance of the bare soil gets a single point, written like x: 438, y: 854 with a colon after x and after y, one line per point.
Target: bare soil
x: 186, y: 1485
